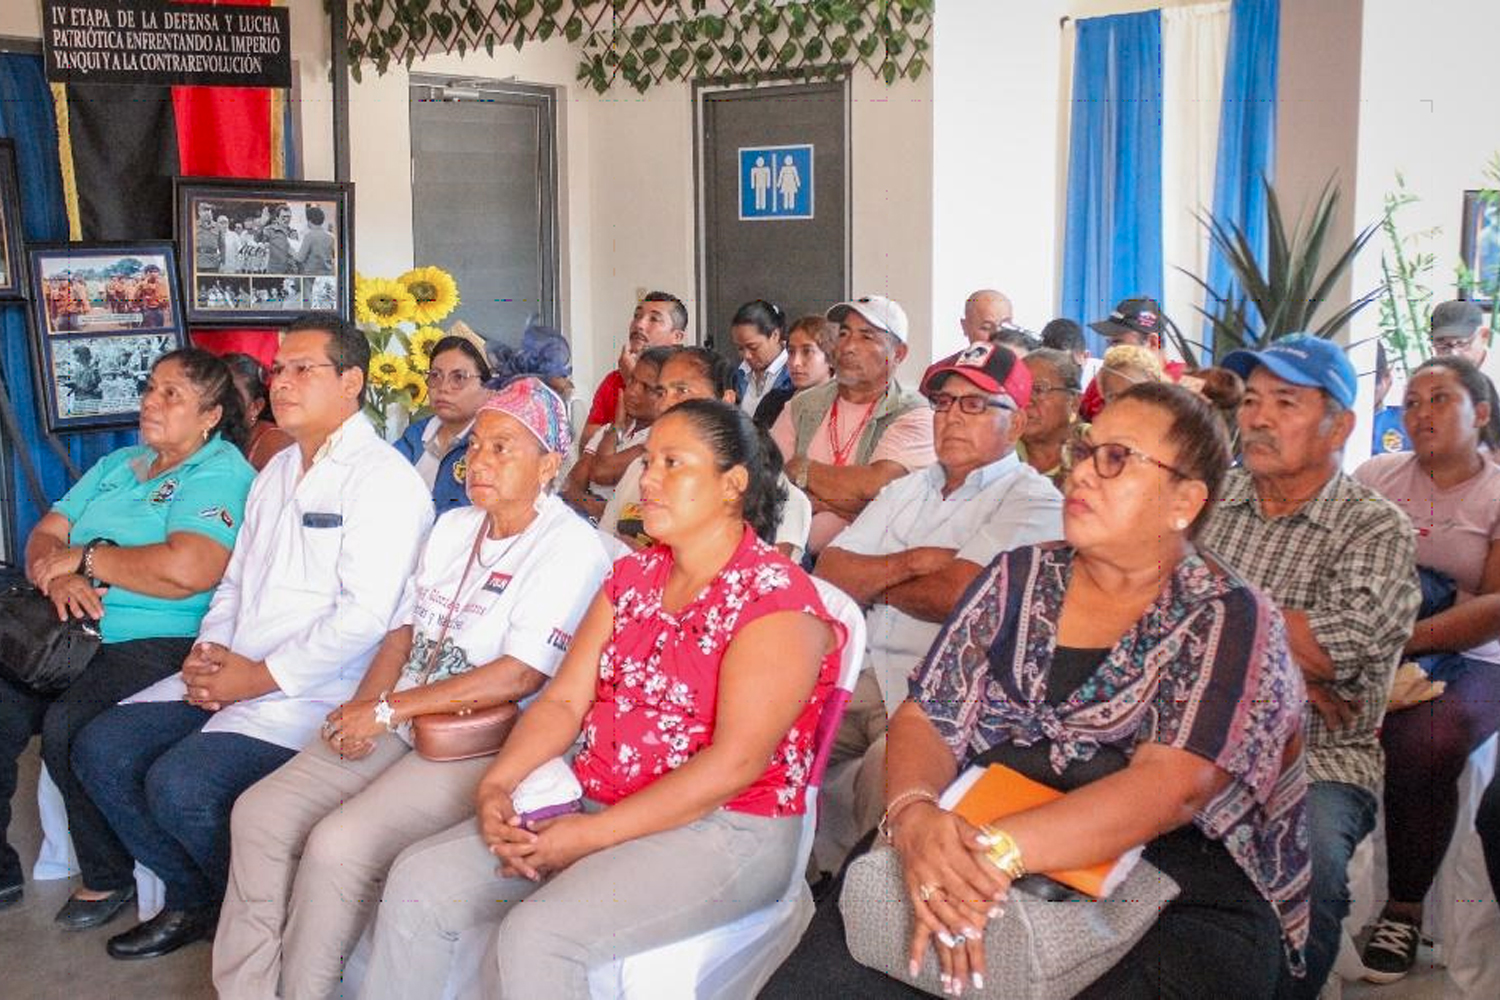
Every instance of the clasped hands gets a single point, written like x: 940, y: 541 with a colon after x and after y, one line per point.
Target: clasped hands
x: 955, y: 891
x: 534, y: 850
x: 217, y: 676
x: 56, y: 575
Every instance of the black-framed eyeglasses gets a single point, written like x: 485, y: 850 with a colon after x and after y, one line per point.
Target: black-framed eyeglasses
x: 296, y: 370
x: 942, y: 402
x: 457, y: 379
x: 1042, y: 388
x: 1110, y: 457
x: 1453, y: 345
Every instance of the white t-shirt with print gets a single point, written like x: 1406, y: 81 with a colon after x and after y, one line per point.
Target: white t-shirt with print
x: 523, y: 597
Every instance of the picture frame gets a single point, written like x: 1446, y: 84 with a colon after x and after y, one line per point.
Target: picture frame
x: 1479, y: 245
x: 12, y: 257
x: 101, y: 314
x: 261, y: 252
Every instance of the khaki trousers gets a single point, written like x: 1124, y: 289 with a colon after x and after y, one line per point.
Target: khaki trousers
x: 850, y: 804
x: 312, y: 843
x: 626, y: 899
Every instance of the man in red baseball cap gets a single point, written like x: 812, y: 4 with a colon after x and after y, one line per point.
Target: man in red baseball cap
x: 913, y: 551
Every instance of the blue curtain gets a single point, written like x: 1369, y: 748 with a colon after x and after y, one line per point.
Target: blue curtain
x: 1247, y: 130
x: 26, y: 116
x: 1114, y: 222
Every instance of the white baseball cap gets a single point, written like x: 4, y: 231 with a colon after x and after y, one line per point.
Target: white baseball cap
x: 879, y: 310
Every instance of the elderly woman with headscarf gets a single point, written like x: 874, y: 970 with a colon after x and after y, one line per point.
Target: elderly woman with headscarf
x: 496, y: 597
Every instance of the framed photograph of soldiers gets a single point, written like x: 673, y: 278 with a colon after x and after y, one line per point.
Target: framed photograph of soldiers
x: 12, y: 284
x: 101, y: 313
x: 257, y: 253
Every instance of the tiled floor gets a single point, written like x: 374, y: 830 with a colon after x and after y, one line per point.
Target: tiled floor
x: 40, y: 962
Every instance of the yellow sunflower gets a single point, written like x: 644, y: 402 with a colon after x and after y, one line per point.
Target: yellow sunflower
x: 419, y: 347
x: 388, y: 370
x: 415, y: 386
x: 435, y: 291
x: 383, y: 302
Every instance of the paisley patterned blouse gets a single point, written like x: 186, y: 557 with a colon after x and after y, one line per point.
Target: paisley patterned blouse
x: 1206, y: 669
x: 657, y: 696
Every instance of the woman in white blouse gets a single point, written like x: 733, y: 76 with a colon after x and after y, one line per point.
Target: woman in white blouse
x: 488, y: 615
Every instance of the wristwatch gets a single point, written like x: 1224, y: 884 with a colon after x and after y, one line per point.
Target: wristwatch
x: 86, y: 561
x: 1004, y: 853
x: 385, y: 715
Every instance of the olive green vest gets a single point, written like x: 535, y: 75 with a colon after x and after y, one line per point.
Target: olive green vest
x: 810, y: 406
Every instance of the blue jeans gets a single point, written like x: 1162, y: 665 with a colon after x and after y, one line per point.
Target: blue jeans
x: 1339, y: 816
x: 167, y: 788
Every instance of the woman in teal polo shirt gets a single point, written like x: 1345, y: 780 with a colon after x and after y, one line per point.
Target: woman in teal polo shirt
x: 139, y: 543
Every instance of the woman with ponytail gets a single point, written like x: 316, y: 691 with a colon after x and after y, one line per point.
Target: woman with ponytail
x: 697, y: 746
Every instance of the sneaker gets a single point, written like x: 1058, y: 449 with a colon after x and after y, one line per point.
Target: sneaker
x: 1391, y: 951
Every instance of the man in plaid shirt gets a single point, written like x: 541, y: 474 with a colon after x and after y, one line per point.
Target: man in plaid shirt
x: 1340, y: 563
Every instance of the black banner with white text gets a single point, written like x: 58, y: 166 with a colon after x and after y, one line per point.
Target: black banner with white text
x: 166, y: 44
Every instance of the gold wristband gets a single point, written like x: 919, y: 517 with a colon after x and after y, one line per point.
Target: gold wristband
x: 1004, y: 853
x: 906, y: 798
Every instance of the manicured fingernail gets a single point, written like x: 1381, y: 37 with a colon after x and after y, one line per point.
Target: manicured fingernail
x: 947, y: 940
x: 971, y: 934
x: 914, y: 968
x: 944, y: 978
x: 958, y: 987
x: 996, y: 912
x: 978, y: 981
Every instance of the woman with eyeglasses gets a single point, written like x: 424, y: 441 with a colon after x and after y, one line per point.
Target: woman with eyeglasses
x: 1052, y: 417
x: 1134, y: 674
x: 436, y: 445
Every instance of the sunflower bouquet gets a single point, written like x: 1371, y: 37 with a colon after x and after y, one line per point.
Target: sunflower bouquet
x: 400, y: 317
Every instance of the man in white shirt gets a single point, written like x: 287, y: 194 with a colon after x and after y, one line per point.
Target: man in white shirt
x: 919, y: 544
x: 332, y: 529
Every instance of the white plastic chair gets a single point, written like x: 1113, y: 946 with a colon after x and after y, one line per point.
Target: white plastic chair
x: 1460, y: 912
x: 57, y: 860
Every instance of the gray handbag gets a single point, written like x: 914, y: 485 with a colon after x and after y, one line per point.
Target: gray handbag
x: 1037, y: 950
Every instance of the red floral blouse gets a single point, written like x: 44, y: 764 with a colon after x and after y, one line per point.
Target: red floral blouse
x: 655, y: 703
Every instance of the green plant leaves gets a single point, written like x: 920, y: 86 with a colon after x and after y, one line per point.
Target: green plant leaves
x: 749, y: 40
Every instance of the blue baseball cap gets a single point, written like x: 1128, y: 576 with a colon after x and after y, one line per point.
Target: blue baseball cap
x: 1302, y: 359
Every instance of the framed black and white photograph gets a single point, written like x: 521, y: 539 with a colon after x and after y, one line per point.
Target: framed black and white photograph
x: 1479, y: 244
x: 260, y: 252
x: 102, y: 313
x: 12, y: 278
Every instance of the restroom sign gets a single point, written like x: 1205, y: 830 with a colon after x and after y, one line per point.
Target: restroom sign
x: 776, y: 182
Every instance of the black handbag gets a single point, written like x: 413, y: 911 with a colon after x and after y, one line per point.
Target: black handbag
x: 36, y: 650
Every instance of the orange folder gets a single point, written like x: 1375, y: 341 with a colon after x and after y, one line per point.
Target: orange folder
x: 995, y: 792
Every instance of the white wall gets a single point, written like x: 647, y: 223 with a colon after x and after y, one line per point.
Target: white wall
x: 997, y: 162
x: 1426, y: 110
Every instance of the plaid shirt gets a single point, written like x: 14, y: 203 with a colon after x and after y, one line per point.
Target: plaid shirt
x: 1348, y: 559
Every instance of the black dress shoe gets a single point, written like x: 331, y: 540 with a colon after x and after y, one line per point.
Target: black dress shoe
x: 81, y: 914
x: 11, y: 895
x: 164, y: 934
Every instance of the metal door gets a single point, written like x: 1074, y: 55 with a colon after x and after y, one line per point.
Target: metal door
x: 484, y: 198
x: 773, y: 200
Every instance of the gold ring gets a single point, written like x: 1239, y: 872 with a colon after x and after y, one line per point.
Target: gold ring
x: 926, y: 890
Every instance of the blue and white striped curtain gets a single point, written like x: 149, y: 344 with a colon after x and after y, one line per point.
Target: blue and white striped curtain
x: 1132, y: 226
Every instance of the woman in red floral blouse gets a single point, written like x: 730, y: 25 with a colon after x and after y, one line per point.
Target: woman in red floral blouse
x: 696, y: 680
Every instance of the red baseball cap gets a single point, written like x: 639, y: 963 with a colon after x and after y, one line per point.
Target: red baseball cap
x: 992, y: 367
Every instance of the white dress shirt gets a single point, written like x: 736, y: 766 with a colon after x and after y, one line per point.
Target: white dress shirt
x: 318, y: 571
x: 1000, y: 506
x: 755, y: 393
